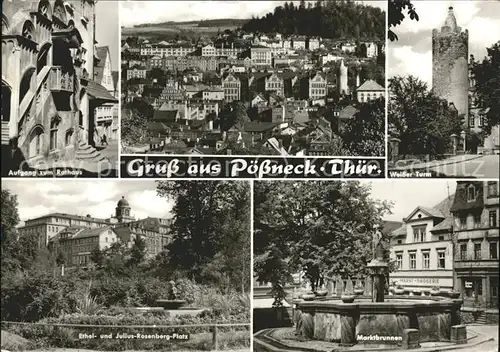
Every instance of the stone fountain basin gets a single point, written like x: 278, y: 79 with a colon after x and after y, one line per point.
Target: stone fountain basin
x: 328, y: 320
x: 170, y: 303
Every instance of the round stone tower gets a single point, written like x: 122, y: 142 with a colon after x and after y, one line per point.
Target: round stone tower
x: 342, y: 86
x: 450, y: 73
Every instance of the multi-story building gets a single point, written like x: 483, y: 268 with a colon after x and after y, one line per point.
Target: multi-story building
x: 137, y: 72
x: 213, y: 93
x: 77, y: 236
x: 181, y: 63
x: 422, y: 249
x: 317, y: 86
x: 274, y: 83
x: 106, y: 115
x: 232, y: 88
x: 150, y: 50
x: 371, y: 49
x: 369, y: 90
x: 475, y: 225
x: 299, y: 42
x: 48, y: 93
x: 260, y: 56
x: 313, y: 44
x: 77, y: 244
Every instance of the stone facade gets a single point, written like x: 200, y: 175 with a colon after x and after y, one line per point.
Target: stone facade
x: 47, y: 64
x: 450, y: 74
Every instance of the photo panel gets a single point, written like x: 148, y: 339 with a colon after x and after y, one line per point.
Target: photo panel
x: 60, y: 62
x: 375, y: 265
x: 443, y: 112
x: 120, y: 265
x: 285, y: 80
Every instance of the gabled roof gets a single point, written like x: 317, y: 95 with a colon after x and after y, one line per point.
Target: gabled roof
x: 98, y: 92
x: 348, y: 112
x: 370, y: 85
x: 165, y: 115
x: 91, y: 232
x: 430, y: 212
x: 256, y: 126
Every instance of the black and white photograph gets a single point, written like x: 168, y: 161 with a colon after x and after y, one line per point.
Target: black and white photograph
x: 125, y: 265
x: 60, y: 68
x: 444, y: 79
x: 298, y: 78
x: 376, y: 265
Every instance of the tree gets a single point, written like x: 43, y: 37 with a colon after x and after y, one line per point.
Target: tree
x: 364, y: 134
x: 233, y: 115
x: 210, y: 231
x: 18, y: 252
x: 396, y: 16
x: 137, y: 252
x: 322, y: 229
x: 487, y: 87
x: 421, y: 119
x: 97, y: 257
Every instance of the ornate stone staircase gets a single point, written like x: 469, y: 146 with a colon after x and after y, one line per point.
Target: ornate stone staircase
x: 86, y: 152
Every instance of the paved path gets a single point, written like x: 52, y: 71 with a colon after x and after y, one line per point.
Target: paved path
x: 80, y: 350
x: 474, y: 166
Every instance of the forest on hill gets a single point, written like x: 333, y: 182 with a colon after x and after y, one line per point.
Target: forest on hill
x: 328, y: 19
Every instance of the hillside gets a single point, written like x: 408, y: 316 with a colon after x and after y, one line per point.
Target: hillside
x: 186, y: 29
x: 332, y: 19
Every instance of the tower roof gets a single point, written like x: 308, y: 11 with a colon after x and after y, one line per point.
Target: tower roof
x: 123, y: 202
x: 451, y: 21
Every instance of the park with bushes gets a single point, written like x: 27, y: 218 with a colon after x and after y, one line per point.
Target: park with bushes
x: 208, y: 259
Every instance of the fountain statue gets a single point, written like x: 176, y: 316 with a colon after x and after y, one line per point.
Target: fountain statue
x: 172, y: 301
x: 172, y: 290
x: 378, y: 267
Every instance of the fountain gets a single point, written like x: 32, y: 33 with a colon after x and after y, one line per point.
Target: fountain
x: 172, y: 304
x: 396, y: 321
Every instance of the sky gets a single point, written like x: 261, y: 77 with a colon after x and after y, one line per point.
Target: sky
x: 107, y: 29
x: 409, y: 194
x: 412, y: 55
x: 81, y: 197
x: 98, y: 199
x: 138, y: 12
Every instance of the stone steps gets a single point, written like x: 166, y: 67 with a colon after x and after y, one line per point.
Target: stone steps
x: 5, y: 133
x: 481, y: 319
x: 89, y: 153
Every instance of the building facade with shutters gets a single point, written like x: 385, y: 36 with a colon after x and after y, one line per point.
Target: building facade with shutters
x: 475, y: 224
x: 422, y: 250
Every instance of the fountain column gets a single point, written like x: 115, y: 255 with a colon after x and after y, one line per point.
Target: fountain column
x: 378, y: 267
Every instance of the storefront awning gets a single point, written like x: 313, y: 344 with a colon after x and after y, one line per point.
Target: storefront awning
x: 99, y: 93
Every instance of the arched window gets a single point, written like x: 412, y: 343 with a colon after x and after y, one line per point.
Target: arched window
x: 44, y: 8
x: 28, y: 30
x: 54, y: 128
x: 471, y: 193
x: 71, y: 24
x: 67, y: 137
x: 36, y: 142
